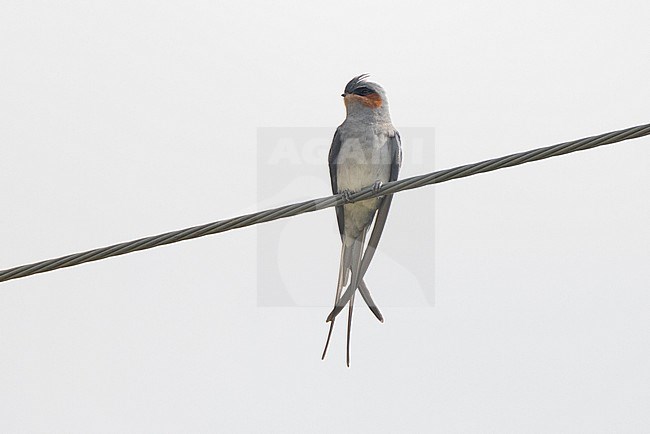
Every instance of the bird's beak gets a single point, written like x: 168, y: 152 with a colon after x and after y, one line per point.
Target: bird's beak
x: 343, y: 95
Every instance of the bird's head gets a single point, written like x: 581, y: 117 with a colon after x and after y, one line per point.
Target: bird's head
x: 365, y: 97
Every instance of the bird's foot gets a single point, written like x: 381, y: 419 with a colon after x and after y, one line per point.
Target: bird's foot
x: 377, y: 185
x: 347, y: 195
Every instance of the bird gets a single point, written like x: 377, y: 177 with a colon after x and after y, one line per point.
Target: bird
x: 366, y: 151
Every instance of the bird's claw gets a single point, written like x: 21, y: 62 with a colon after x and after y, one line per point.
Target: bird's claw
x: 377, y: 185
x: 347, y: 196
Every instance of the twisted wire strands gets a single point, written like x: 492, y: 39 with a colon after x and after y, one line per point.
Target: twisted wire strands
x: 324, y: 202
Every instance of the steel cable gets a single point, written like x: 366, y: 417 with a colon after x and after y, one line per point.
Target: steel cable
x: 325, y: 202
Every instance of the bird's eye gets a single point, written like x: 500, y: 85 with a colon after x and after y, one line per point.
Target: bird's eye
x: 363, y: 91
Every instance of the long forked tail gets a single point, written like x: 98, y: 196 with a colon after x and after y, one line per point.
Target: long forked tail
x: 344, y: 266
x: 351, y: 254
x: 377, y: 229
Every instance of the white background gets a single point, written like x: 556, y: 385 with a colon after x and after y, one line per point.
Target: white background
x: 125, y: 119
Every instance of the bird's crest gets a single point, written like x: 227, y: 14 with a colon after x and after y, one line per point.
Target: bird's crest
x: 355, y: 82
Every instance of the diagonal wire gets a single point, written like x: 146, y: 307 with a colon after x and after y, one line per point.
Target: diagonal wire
x: 324, y: 202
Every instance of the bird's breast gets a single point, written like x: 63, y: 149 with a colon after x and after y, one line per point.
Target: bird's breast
x: 363, y: 159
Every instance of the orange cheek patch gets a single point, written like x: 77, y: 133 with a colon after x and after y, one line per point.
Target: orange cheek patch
x: 373, y: 100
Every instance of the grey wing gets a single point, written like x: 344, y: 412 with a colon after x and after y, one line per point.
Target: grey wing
x: 395, y: 147
x: 332, y: 157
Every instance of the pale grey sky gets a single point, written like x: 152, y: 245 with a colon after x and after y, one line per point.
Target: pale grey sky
x: 124, y: 119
